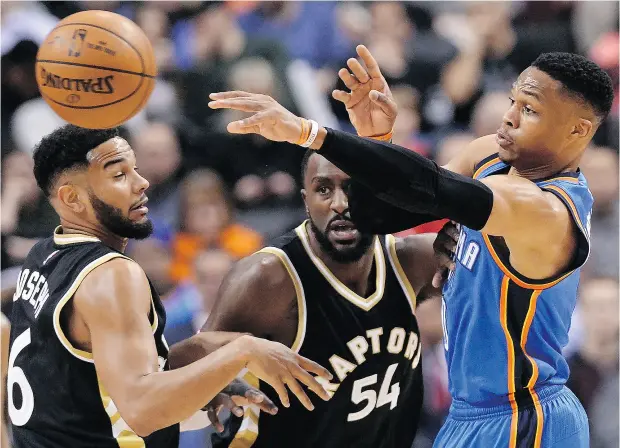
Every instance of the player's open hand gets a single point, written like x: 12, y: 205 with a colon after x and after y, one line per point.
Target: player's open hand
x: 270, y: 119
x: 281, y: 367
x: 371, y: 107
x: 445, y: 247
x: 237, y: 394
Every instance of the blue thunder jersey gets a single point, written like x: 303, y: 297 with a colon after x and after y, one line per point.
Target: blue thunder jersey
x: 503, y: 332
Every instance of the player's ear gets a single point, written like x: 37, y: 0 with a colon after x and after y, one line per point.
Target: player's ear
x: 69, y: 196
x: 582, y: 128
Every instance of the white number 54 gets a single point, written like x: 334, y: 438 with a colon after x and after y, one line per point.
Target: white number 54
x: 370, y: 396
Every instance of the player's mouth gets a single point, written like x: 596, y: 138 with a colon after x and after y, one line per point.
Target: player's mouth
x: 503, y: 139
x: 140, y: 207
x: 343, y: 231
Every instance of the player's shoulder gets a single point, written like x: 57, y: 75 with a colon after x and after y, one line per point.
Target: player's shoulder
x: 113, y: 282
x: 475, y: 152
x: 265, y: 269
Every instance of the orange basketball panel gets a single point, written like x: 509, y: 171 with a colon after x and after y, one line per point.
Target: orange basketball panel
x: 84, y: 87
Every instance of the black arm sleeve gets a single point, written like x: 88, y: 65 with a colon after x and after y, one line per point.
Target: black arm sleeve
x: 408, y: 180
x: 379, y: 217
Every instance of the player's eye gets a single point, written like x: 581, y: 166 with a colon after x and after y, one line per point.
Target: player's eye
x: 119, y: 176
x: 323, y: 190
x: 528, y: 110
x: 512, y: 100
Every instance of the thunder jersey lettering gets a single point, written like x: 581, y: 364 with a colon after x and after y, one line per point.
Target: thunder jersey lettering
x: 370, y: 344
x: 55, y: 397
x: 503, y: 332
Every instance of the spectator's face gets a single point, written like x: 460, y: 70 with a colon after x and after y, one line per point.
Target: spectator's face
x: 327, y: 205
x: 157, y: 152
x: 210, y: 268
x: 17, y: 167
x: 155, y: 259
x: 207, y: 218
x: 488, y: 113
x: 543, y: 123
x: 600, y: 166
x: 451, y: 146
x: 599, y: 303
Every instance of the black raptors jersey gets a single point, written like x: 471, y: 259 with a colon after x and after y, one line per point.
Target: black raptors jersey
x: 371, y: 346
x: 55, y: 398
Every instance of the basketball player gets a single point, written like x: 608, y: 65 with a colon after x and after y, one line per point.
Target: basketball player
x: 88, y: 360
x: 524, y: 209
x: 344, y: 298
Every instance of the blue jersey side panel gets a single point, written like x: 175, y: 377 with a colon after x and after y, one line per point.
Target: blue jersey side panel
x: 504, y: 333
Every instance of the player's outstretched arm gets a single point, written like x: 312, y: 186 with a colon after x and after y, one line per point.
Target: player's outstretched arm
x: 256, y: 297
x: 113, y: 304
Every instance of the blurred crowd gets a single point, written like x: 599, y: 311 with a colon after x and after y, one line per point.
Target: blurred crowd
x: 215, y: 198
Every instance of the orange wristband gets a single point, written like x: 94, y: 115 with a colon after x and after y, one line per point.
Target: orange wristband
x: 383, y: 138
x: 304, y: 131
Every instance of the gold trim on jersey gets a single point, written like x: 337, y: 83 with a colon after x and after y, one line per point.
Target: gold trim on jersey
x: 364, y: 303
x: 124, y: 435
x: 405, y: 284
x: 80, y: 354
x: 248, y: 430
x: 72, y: 238
x: 299, y: 292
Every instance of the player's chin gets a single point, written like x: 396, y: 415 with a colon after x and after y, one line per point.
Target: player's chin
x: 508, y: 154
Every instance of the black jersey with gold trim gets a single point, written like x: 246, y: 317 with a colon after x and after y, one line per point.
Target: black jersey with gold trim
x: 370, y: 344
x: 55, y: 398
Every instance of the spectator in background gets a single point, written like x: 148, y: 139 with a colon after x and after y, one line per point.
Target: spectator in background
x: 210, y: 268
x: 489, y: 112
x: 158, y: 156
x: 207, y: 222
x: 407, y: 125
x: 26, y: 214
x: 600, y: 166
x: 309, y: 30
x: 596, y: 362
x: 451, y: 145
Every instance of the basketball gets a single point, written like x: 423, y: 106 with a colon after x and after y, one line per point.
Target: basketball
x: 96, y: 69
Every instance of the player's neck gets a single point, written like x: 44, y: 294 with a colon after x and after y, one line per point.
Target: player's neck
x: 110, y: 240
x: 352, y: 274
x: 542, y: 171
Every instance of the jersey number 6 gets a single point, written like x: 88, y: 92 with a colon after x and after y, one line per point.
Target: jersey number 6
x: 15, y: 376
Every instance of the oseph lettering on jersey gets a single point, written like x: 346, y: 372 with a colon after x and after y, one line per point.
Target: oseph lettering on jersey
x: 32, y: 287
x: 362, y: 347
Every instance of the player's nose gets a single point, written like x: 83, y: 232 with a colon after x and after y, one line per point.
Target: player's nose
x: 340, y: 202
x: 142, y: 184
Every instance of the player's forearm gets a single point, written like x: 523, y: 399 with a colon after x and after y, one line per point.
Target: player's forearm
x: 406, y: 179
x: 162, y: 399
x: 199, y: 346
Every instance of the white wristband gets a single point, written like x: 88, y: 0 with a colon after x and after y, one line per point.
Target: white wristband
x: 314, y: 130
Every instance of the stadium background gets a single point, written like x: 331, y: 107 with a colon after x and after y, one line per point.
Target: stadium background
x: 215, y: 197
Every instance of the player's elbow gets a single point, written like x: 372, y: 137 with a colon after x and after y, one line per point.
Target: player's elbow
x: 142, y: 422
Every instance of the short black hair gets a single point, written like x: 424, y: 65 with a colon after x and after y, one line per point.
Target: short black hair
x: 66, y: 148
x: 581, y: 77
x: 304, y: 164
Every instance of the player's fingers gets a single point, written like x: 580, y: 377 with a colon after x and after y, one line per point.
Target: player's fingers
x: 310, y: 381
x: 242, y: 104
x: 214, y: 419
x: 341, y: 96
x: 230, y: 94
x: 452, y: 231
x: 358, y: 71
x: 348, y: 79
x: 280, y: 389
x: 440, y: 276
x: 387, y: 105
x: 311, y: 366
x: 262, y: 401
x: 228, y: 403
x: 297, y: 390
x: 237, y: 128
x: 372, y: 68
